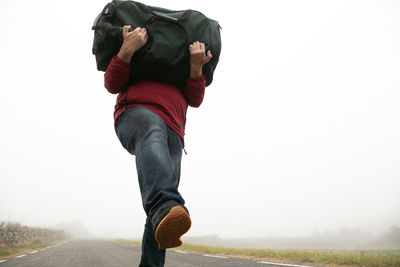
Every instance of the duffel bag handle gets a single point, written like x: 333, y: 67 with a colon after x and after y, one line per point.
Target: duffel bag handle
x: 185, y: 15
x: 164, y: 17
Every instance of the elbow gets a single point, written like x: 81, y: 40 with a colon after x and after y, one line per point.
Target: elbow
x: 111, y: 83
x: 110, y: 88
x: 194, y: 95
x: 195, y: 103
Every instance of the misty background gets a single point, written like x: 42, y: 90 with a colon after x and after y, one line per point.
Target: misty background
x: 298, y: 135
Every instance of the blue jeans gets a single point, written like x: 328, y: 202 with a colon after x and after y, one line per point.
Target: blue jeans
x: 158, y: 151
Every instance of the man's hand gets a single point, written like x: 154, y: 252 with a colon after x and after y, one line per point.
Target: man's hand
x: 133, y: 41
x: 198, y: 58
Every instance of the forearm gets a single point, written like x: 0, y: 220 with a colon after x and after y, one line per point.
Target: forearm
x: 125, y: 53
x: 119, y: 69
x: 194, y: 90
x: 196, y: 71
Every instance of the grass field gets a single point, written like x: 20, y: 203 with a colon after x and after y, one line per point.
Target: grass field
x: 310, y: 257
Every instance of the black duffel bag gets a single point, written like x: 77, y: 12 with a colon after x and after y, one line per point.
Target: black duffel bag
x: 166, y: 56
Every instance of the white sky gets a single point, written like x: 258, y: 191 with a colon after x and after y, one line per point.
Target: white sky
x: 298, y: 132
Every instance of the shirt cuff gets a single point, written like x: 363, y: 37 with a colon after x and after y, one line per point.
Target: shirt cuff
x: 200, y: 79
x: 121, y: 62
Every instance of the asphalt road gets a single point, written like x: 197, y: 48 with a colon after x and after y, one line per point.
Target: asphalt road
x: 99, y: 253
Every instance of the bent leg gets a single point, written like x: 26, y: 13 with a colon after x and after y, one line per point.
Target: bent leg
x: 144, y: 134
x: 158, y: 151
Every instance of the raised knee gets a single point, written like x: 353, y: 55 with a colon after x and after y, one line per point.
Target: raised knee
x: 155, y: 133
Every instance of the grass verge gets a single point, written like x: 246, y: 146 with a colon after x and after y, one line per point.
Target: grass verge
x: 127, y: 241
x: 310, y: 257
x: 11, y: 252
x: 377, y: 258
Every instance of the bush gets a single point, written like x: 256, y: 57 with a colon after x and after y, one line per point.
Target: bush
x: 15, y: 235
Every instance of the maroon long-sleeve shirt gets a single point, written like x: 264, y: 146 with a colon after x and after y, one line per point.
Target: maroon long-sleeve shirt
x: 166, y: 100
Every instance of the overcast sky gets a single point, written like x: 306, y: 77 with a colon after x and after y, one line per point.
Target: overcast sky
x: 299, y: 130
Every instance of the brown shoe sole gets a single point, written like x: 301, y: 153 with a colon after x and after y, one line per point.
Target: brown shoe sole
x: 172, y: 227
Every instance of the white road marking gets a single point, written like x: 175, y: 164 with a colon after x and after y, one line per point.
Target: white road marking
x: 182, y: 252
x: 20, y: 256
x: 283, y: 264
x: 215, y: 256
x: 33, y: 252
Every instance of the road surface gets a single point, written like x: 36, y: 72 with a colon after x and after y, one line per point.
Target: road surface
x: 99, y: 253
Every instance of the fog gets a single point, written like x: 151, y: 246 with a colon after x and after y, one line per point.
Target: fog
x: 297, y: 134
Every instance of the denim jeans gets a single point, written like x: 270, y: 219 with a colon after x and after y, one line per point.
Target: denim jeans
x: 158, y: 152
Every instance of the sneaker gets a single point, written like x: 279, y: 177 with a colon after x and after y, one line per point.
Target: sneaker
x: 173, y: 225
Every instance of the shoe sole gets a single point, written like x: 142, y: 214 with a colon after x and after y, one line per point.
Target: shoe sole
x: 172, y: 227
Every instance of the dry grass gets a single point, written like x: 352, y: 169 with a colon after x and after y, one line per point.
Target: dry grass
x: 127, y: 241
x: 378, y: 258
x: 16, y: 238
x: 11, y: 252
x: 311, y: 257
x: 13, y: 235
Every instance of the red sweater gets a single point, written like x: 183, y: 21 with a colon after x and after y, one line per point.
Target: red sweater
x: 164, y: 99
